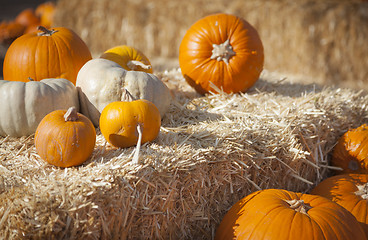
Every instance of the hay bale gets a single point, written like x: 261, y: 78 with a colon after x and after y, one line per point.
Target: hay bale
x: 321, y: 39
x: 211, y: 151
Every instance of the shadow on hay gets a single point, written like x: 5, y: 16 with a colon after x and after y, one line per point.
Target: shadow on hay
x: 284, y: 88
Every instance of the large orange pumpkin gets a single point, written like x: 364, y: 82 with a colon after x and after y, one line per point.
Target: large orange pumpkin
x: 224, y: 50
x: 351, y: 151
x: 55, y: 53
x: 280, y: 214
x: 65, y: 138
x: 350, y: 191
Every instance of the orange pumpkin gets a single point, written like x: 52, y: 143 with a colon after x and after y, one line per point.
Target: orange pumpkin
x: 223, y: 50
x: 56, y: 53
x: 10, y: 31
x: 279, y: 214
x: 119, y: 121
x: 350, y: 191
x: 65, y: 138
x: 351, y: 151
x: 27, y: 18
x: 45, y: 11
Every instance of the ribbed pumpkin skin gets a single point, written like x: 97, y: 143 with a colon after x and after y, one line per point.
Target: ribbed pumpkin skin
x: 119, y: 121
x: 25, y: 104
x: 351, y: 151
x: 343, y: 189
x: 65, y: 143
x: 266, y: 215
x: 195, y: 52
x: 59, y: 55
x: 123, y: 54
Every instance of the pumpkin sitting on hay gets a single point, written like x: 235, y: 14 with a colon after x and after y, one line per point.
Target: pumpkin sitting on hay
x: 221, y: 51
x: 277, y: 214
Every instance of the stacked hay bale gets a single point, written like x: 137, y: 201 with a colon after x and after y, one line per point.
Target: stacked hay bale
x: 211, y: 151
x: 324, y: 40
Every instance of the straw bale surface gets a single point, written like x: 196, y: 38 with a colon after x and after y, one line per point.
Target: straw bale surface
x: 211, y: 151
x: 325, y: 39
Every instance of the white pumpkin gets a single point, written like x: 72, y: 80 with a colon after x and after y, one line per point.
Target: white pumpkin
x: 24, y: 104
x: 101, y: 81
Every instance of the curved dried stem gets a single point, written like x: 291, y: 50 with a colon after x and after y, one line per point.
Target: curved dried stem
x: 126, y: 96
x: 133, y: 65
x: 299, y: 206
x: 71, y: 114
x: 45, y: 31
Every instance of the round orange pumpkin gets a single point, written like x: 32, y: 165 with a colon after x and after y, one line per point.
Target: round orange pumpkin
x: 351, y: 151
x: 224, y: 50
x: 65, y: 138
x: 284, y: 215
x: 27, y: 18
x: 45, y: 11
x: 129, y: 58
x: 350, y: 191
x: 119, y: 121
x: 55, y: 53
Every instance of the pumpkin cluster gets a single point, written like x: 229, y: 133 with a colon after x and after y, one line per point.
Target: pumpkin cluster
x: 54, y: 88
x: 349, y: 186
x: 27, y: 21
x: 337, y: 208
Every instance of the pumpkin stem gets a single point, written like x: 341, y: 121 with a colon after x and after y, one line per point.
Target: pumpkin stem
x: 362, y: 191
x: 30, y: 79
x: 45, y: 31
x: 139, y: 142
x: 71, y: 114
x: 222, y: 52
x: 133, y: 65
x: 298, y: 205
x: 126, y: 96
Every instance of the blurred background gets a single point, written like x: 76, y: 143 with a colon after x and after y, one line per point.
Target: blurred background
x: 325, y: 41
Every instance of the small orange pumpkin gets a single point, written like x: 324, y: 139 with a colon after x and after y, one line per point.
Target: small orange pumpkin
x: 45, y: 11
x: 224, y: 50
x: 55, y: 53
x: 27, y: 18
x: 350, y: 191
x: 65, y: 138
x: 281, y: 215
x: 129, y: 58
x: 351, y: 151
x: 10, y: 31
x: 124, y: 123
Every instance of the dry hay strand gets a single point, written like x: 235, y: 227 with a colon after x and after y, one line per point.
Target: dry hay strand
x: 323, y: 39
x: 211, y: 151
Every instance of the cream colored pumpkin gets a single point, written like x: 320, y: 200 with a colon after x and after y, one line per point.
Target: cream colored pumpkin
x: 24, y: 104
x: 101, y: 81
